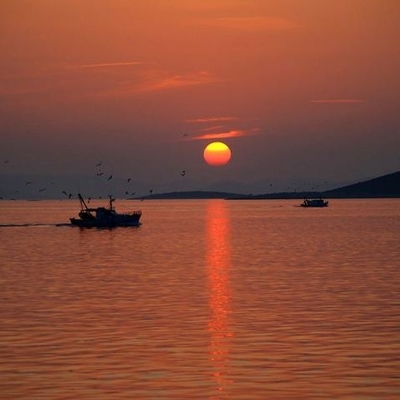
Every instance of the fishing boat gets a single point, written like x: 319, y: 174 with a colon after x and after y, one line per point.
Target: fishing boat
x: 104, y: 217
x: 314, y: 203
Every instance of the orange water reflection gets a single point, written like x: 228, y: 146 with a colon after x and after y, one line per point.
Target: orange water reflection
x: 218, y: 267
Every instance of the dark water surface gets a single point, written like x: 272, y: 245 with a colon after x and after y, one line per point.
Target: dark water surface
x: 208, y: 299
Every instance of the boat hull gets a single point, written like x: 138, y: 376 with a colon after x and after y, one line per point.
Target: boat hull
x: 102, y: 217
x: 104, y: 224
x: 315, y: 203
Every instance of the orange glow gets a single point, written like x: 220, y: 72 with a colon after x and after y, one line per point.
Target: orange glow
x: 217, y: 153
x: 218, y: 260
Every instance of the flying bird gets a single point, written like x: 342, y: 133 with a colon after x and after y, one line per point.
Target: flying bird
x: 28, y: 183
x: 110, y: 177
x: 66, y: 194
x: 129, y: 179
x: 183, y: 173
x: 42, y: 190
x: 100, y: 174
x: 98, y: 164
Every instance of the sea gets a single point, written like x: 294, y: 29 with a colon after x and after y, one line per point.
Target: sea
x: 207, y: 299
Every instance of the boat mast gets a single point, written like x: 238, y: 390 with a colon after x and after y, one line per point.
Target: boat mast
x: 111, y: 201
x: 82, y: 201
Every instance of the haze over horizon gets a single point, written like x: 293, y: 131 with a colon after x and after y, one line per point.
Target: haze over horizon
x: 124, y: 95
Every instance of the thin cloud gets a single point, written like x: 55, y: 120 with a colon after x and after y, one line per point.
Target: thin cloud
x: 211, y: 119
x: 211, y: 128
x: 154, y: 80
x: 107, y: 65
x: 224, y: 135
x: 337, y: 101
x: 253, y: 23
x: 177, y: 81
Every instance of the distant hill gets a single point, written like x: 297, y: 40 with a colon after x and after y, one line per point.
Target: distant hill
x: 384, y: 186
x: 387, y: 186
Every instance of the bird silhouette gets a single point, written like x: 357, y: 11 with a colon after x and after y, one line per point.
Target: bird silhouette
x: 66, y: 194
x: 110, y: 177
x: 183, y: 173
x: 99, y: 164
x: 28, y: 183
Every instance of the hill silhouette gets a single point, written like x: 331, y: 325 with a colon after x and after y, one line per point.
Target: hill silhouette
x: 386, y: 186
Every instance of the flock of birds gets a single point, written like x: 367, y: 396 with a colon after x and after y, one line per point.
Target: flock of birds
x: 67, y: 194
x: 127, y: 191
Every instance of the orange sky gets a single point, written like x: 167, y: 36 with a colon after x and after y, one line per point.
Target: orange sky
x: 300, y: 90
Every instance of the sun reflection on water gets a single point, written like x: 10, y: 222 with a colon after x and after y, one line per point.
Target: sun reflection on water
x: 218, y: 264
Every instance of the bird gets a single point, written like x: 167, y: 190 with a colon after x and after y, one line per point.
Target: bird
x: 100, y: 173
x: 70, y: 195
x: 185, y: 135
x: 183, y: 173
x: 110, y: 177
x: 28, y: 183
x: 66, y: 194
x: 42, y: 189
x: 99, y: 164
x: 151, y: 191
x: 129, y: 179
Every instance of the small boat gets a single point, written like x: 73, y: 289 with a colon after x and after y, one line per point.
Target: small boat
x: 102, y: 217
x: 314, y: 203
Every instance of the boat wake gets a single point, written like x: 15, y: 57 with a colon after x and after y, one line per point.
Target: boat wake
x: 29, y: 225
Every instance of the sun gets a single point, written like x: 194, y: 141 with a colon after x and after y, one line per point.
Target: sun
x: 217, y: 153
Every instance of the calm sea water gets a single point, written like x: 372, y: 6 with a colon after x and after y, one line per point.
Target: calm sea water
x: 208, y: 299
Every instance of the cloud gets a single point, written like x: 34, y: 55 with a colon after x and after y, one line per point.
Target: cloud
x: 107, y: 65
x: 253, y: 23
x: 229, y: 134
x: 154, y: 80
x: 176, y: 81
x: 211, y: 119
x: 211, y: 128
x: 337, y: 101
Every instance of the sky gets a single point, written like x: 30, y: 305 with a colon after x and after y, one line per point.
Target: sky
x: 305, y: 93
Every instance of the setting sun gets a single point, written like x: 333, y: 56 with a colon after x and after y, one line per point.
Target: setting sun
x: 217, y: 153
